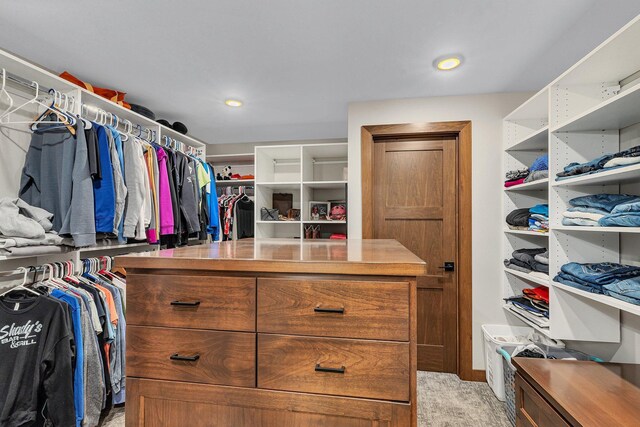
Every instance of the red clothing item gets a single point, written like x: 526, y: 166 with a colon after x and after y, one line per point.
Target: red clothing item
x: 512, y: 183
x: 540, y: 293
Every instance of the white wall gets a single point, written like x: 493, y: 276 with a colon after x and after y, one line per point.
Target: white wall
x: 486, y: 113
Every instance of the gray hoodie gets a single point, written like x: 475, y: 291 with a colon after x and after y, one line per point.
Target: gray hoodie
x: 56, y: 178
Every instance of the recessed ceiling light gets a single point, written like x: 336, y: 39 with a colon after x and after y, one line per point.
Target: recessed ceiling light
x: 233, y: 103
x: 447, y: 63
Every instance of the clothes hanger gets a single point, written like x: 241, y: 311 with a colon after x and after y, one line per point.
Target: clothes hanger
x: 4, y: 92
x: 22, y: 286
x: 64, y: 120
x: 81, y: 116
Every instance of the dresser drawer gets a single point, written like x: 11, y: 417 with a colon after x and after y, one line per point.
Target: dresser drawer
x: 211, y: 357
x: 334, y: 308
x: 198, y: 302
x: 341, y: 367
x: 532, y: 410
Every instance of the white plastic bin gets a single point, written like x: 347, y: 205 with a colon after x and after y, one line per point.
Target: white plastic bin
x: 496, y: 336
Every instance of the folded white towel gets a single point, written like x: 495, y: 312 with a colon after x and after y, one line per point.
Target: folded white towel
x: 584, y: 215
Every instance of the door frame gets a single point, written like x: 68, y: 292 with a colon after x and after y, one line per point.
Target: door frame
x: 462, y: 131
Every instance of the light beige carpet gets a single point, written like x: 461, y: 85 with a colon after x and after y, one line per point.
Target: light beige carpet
x: 443, y: 401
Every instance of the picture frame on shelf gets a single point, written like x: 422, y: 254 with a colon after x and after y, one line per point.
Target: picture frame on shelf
x: 319, y: 211
x: 338, y: 210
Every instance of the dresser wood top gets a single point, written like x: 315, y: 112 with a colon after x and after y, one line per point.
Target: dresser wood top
x: 587, y: 393
x: 356, y: 257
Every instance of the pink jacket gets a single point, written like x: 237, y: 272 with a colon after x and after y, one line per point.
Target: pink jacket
x: 166, y: 207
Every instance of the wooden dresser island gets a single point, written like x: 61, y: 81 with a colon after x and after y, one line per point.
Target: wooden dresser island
x: 272, y: 333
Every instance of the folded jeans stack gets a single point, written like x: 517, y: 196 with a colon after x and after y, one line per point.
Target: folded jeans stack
x: 605, y: 210
x: 529, y: 261
x: 606, y: 278
x: 602, y: 163
x: 25, y: 226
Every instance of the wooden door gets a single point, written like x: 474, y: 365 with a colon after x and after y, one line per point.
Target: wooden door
x: 415, y: 202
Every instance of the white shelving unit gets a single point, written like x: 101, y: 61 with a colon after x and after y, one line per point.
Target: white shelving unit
x: 312, y: 172
x: 592, y: 109
x: 526, y: 132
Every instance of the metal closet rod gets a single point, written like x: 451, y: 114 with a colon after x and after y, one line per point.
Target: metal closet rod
x: 286, y: 162
x: 23, y: 82
x: 329, y: 162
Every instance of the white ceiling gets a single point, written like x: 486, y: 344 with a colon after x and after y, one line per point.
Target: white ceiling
x: 297, y: 64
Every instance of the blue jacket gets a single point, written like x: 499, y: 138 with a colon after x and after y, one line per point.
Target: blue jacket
x: 78, y: 371
x: 214, y: 211
x: 103, y: 191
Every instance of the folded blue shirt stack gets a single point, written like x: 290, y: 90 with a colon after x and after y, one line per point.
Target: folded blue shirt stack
x: 607, y: 278
x: 539, y: 218
x: 605, y: 210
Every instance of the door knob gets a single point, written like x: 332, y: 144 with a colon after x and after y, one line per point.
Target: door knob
x: 448, y: 266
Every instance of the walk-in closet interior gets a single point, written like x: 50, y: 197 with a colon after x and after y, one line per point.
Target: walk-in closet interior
x: 323, y: 214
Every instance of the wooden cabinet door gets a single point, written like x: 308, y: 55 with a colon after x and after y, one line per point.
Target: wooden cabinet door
x: 532, y: 410
x: 415, y: 193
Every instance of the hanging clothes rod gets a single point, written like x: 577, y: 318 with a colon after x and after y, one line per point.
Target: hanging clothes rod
x: 286, y: 162
x: 329, y: 162
x: 23, y: 82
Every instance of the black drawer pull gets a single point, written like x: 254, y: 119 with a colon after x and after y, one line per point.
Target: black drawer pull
x: 339, y: 370
x: 186, y: 303
x: 319, y: 309
x: 178, y: 356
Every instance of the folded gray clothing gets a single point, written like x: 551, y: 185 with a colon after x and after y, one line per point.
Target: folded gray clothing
x: 543, y: 258
x: 510, y: 265
x: 41, y: 216
x: 525, y: 258
x: 19, y: 219
x: 48, y: 240
x: 34, y: 250
x: 536, y: 175
x: 517, y: 174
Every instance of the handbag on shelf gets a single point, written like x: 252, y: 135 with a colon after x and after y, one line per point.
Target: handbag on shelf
x: 282, y: 202
x: 267, y: 214
x: 293, y: 214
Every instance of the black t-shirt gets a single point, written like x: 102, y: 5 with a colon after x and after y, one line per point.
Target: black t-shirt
x: 36, y: 355
x: 93, y: 153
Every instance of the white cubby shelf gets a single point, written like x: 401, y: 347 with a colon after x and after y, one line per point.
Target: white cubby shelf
x: 613, y: 176
x: 541, y: 184
x: 526, y: 233
x: 543, y: 331
x: 527, y: 276
x: 605, y: 300
x: 311, y: 173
